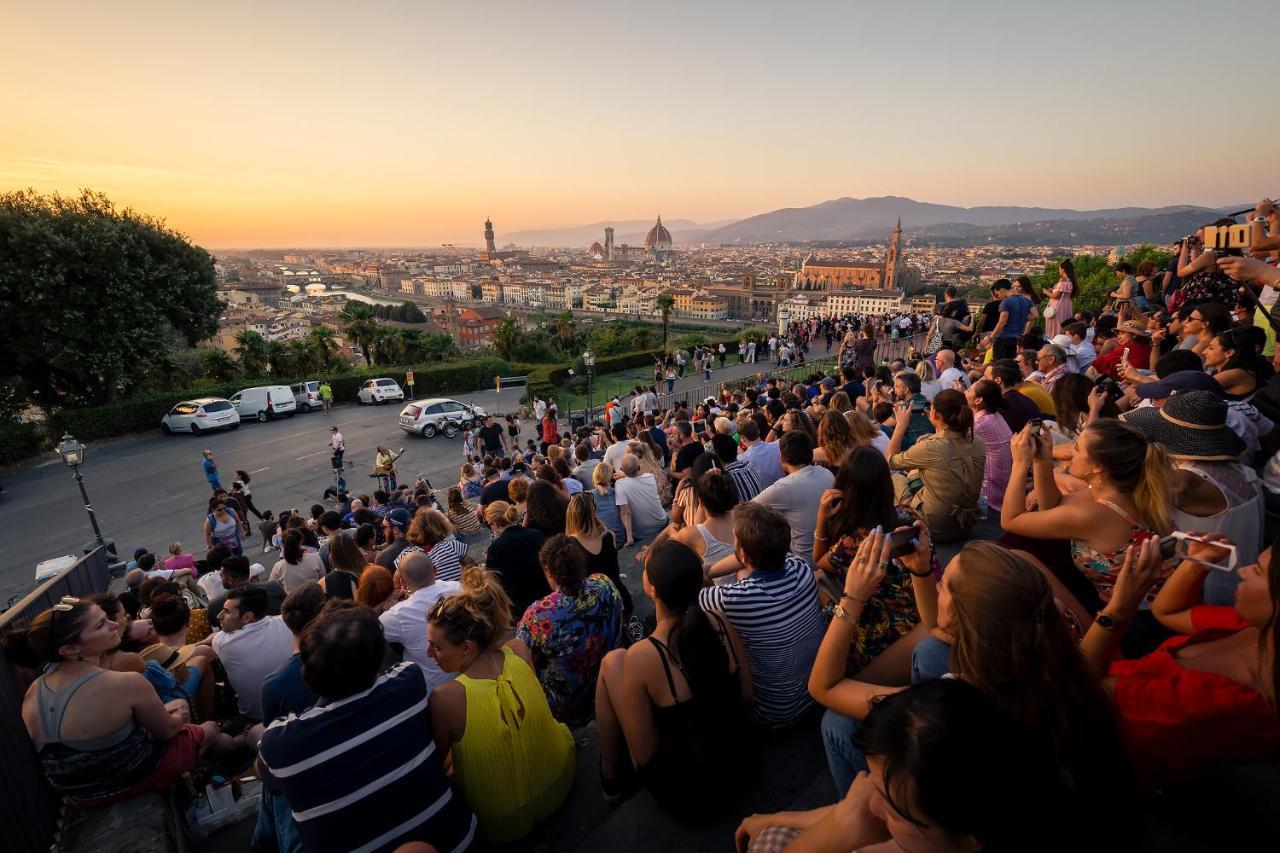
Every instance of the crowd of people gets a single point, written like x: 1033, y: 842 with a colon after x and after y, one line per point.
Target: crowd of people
x: 412, y: 668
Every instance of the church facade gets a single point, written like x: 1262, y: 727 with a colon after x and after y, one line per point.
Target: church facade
x: 832, y: 275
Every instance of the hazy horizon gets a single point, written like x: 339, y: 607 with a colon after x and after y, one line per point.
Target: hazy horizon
x: 404, y: 125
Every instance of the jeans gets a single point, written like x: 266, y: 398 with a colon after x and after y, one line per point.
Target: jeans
x: 275, y: 829
x: 214, y: 483
x: 931, y: 659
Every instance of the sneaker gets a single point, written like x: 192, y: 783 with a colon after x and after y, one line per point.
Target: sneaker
x: 635, y: 629
x: 616, y: 791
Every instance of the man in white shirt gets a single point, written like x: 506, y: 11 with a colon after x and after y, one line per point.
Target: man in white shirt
x: 762, y: 455
x: 796, y: 495
x: 251, y: 645
x: 405, y: 622
x: 638, y: 502
x: 539, y: 408
x: 948, y: 373
x: 751, y: 351
x: 1085, y: 353
x: 613, y: 453
x: 337, y: 444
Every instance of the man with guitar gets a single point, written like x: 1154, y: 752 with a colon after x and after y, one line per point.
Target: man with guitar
x: 384, y: 466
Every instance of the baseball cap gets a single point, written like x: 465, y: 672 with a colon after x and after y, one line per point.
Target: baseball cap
x: 399, y: 517
x: 1181, y: 380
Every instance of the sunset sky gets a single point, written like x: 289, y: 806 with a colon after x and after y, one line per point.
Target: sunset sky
x: 407, y: 123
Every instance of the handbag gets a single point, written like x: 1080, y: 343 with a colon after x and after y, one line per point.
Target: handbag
x: 1050, y: 312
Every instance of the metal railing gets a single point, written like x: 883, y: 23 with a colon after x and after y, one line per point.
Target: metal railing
x: 30, y: 808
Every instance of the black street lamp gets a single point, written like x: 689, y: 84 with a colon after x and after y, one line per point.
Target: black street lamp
x: 589, y: 359
x: 72, y: 453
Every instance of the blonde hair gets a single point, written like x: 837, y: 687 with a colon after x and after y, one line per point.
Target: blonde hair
x: 468, y: 471
x: 175, y: 548
x: 1137, y: 466
x: 481, y: 612
x: 925, y: 371
x: 501, y: 513
x: 839, y: 402
x: 554, y: 452
x: 602, y: 476
x: 864, y: 431
x: 580, y: 518
x: 429, y: 528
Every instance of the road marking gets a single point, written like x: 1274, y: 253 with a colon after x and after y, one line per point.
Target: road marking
x: 166, y: 500
x: 260, y: 470
x: 309, y: 455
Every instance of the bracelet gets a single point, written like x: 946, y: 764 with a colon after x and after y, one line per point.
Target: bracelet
x: 927, y: 574
x: 852, y: 598
x: 819, y: 538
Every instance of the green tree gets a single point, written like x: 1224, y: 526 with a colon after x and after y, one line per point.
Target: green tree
x: 412, y: 313
x: 361, y: 328
x: 506, y: 335
x: 253, y: 352
x: 278, y: 360
x: 322, y: 342
x: 564, y: 325
x: 219, y: 365
x: 93, y: 294
x: 666, y: 302
x: 438, y: 346
x: 299, y: 360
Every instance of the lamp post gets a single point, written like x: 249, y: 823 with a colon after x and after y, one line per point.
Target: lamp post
x: 72, y: 453
x: 589, y: 359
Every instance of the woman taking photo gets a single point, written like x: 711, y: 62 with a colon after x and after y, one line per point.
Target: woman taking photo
x: 861, y: 502
x: 1128, y: 499
x: 1005, y: 635
x: 569, y: 630
x: 513, y: 763
x: 101, y: 736
x: 1059, y: 309
x: 672, y: 709
x: 513, y: 555
x: 581, y: 523
x: 945, y: 469
x: 1206, y: 697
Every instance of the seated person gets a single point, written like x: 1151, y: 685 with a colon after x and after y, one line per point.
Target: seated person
x: 234, y: 573
x: 360, y: 772
x: 569, y: 631
x: 774, y: 610
x: 1206, y: 696
x: 251, y: 646
x: 513, y: 768
x: 673, y: 709
x: 101, y: 736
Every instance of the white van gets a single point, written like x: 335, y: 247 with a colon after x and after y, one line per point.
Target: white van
x: 252, y: 402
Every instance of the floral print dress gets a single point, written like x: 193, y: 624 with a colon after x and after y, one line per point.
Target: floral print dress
x: 568, y: 637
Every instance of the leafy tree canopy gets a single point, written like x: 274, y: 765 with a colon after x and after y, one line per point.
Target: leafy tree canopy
x: 93, y: 294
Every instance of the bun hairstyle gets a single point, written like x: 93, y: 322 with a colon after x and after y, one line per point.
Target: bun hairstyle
x: 38, y: 644
x: 950, y: 406
x: 501, y: 514
x: 481, y: 612
x: 565, y: 562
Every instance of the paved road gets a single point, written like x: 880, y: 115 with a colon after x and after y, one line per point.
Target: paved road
x: 149, y: 490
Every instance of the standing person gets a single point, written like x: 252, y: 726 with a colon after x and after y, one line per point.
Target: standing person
x: 1059, y: 310
x: 721, y: 352
x: 491, y: 437
x: 550, y: 429
x: 706, y: 364
x: 539, y: 407
x: 246, y: 496
x: 1012, y: 314
x: 513, y: 432
x: 384, y: 466
x: 222, y: 526
x: 337, y: 444
x: 671, y: 380
x: 211, y: 471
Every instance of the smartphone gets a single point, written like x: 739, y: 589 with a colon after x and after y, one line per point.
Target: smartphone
x: 1228, y: 564
x: 900, y: 542
x: 699, y: 426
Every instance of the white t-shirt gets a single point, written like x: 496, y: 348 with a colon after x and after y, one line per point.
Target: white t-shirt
x: 613, y: 453
x: 952, y: 375
x: 405, y: 622
x: 640, y: 493
x: 250, y: 655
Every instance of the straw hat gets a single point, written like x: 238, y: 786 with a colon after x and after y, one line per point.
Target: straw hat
x: 1134, y: 328
x: 167, y: 657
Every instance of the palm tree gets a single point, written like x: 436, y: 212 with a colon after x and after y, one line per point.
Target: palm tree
x: 218, y: 365
x: 251, y: 349
x: 322, y: 341
x: 665, y: 303
x: 564, y: 330
x: 410, y: 346
x: 277, y: 358
x: 506, y: 335
x: 300, y: 359
x: 361, y: 327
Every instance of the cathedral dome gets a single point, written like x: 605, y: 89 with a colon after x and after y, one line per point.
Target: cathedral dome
x: 658, y: 237
x: 596, y: 249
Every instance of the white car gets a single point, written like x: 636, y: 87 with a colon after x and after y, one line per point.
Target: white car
x: 200, y: 415
x: 307, y: 396
x: 264, y: 402
x: 439, y: 415
x: 379, y: 391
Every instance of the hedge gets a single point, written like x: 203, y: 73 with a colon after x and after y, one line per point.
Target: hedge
x: 142, y: 412
x: 19, y: 441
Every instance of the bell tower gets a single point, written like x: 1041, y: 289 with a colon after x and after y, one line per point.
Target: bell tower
x: 892, y: 259
x: 489, y: 248
x: 608, y: 244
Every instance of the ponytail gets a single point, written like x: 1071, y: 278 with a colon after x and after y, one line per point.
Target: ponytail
x: 1137, y: 466
x: 1152, y: 496
x: 501, y: 513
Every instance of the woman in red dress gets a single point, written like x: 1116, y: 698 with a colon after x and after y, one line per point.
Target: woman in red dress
x: 1208, y: 696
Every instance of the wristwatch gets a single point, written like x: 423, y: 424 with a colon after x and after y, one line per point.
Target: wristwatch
x: 841, y: 613
x: 1106, y: 621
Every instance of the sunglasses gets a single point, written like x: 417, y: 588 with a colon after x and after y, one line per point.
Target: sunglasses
x: 65, y: 605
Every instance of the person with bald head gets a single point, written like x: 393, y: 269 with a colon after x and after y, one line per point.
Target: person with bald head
x: 405, y: 621
x: 638, y: 502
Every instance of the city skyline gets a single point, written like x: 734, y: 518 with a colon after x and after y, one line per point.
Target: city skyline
x: 304, y: 126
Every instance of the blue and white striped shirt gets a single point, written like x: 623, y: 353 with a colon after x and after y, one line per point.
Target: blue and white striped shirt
x: 778, y: 617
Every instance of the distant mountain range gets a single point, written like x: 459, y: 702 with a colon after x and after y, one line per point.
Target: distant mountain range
x: 872, y: 219
x: 629, y: 231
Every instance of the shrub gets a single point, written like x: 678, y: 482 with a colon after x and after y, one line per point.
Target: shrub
x: 20, y: 440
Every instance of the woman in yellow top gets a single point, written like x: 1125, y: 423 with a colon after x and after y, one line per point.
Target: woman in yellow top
x: 512, y: 760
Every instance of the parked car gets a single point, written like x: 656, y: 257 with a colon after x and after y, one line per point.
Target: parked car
x: 200, y: 415
x: 307, y: 396
x: 253, y: 402
x: 379, y: 391
x: 428, y: 417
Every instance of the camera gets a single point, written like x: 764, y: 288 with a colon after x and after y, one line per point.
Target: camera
x: 1226, y: 239
x: 1109, y: 387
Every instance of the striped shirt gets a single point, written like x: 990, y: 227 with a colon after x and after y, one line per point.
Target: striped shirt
x: 745, y: 479
x: 446, y: 555
x: 780, y: 622
x: 362, y: 773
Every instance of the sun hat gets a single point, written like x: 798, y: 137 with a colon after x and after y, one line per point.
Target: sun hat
x: 167, y: 657
x: 1190, y: 425
x: 1133, y: 327
x: 1176, y: 382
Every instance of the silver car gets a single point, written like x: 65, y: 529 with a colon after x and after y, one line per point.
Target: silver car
x: 438, y: 414
x: 200, y: 415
